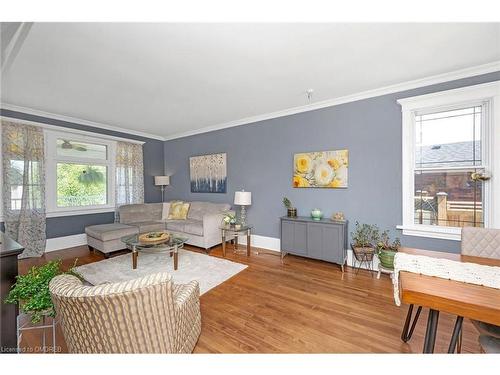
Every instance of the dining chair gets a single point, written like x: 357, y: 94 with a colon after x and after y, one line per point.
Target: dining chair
x: 483, y: 242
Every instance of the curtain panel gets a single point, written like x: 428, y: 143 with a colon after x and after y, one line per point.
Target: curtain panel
x: 129, y: 184
x: 23, y: 189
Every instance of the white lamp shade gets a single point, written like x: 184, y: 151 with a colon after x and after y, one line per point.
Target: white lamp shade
x: 162, y: 180
x: 243, y: 198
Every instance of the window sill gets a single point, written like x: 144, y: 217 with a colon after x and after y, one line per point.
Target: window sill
x: 90, y: 211
x: 431, y: 231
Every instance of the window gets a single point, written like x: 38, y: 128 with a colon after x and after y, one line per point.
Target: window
x: 448, y: 149
x: 80, y: 173
x: 447, y: 153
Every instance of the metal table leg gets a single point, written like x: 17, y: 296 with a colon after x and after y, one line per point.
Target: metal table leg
x: 223, y: 243
x: 248, y: 242
x: 134, y: 257
x: 457, y: 331
x: 430, y: 333
x: 407, y: 331
x: 176, y: 257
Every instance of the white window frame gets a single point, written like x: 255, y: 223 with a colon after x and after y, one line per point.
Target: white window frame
x: 487, y: 94
x: 52, y: 159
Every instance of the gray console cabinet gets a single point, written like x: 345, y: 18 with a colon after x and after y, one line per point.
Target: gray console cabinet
x: 316, y: 239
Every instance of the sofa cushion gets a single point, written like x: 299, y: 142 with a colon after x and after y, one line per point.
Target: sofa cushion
x: 194, y: 227
x: 149, y: 226
x: 199, y: 209
x: 133, y: 213
x: 108, y: 232
x: 176, y: 225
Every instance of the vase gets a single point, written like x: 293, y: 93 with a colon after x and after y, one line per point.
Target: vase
x: 316, y: 214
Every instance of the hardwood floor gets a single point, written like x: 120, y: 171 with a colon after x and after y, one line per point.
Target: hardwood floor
x: 295, y: 306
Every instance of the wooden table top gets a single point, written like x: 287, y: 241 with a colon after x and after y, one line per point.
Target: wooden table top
x: 458, y: 298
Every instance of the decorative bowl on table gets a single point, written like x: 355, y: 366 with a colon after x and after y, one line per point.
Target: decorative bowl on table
x: 153, y: 237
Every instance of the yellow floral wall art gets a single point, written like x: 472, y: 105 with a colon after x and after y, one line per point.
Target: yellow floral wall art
x: 323, y: 169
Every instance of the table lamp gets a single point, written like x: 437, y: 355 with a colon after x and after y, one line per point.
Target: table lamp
x: 243, y: 198
x: 162, y: 181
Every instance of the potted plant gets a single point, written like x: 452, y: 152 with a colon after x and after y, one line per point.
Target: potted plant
x: 229, y: 218
x: 290, y: 210
x: 31, y: 291
x: 363, y: 238
x: 387, y: 250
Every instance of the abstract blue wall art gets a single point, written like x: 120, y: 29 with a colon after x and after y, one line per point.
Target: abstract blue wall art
x: 208, y: 173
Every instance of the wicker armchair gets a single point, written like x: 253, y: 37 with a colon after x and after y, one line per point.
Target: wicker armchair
x: 146, y: 315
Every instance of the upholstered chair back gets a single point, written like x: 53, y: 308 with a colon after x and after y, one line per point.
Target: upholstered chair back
x: 481, y: 242
x: 137, y: 316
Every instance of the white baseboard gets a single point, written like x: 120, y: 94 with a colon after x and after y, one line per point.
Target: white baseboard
x: 272, y: 243
x: 268, y: 243
x: 350, y: 259
x: 65, y: 242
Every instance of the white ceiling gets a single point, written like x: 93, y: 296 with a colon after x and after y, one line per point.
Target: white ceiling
x: 169, y: 79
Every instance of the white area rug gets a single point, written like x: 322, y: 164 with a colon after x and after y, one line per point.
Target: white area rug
x: 208, y: 271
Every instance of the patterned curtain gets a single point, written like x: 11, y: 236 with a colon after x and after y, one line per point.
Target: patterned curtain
x: 129, y: 174
x: 24, y: 186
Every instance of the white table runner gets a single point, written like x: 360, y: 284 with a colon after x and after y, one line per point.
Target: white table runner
x: 471, y: 273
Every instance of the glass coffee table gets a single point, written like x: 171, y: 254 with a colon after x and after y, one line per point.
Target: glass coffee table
x: 170, y: 245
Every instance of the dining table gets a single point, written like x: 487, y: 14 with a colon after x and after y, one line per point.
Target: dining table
x: 464, y: 300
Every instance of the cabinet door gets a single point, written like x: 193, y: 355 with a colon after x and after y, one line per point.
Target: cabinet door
x: 315, y: 241
x: 333, y: 242
x: 287, y: 229
x: 300, y: 239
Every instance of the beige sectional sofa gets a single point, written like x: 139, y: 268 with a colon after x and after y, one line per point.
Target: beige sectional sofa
x: 201, y: 226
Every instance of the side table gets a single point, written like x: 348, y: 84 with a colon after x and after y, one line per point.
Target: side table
x: 228, y: 229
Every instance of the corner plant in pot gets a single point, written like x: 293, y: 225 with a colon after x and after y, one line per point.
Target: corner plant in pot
x: 290, y: 210
x: 363, y: 239
x: 31, y: 290
x: 386, y: 250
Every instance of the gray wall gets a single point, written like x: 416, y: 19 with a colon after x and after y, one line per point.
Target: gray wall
x: 153, y: 165
x: 259, y: 159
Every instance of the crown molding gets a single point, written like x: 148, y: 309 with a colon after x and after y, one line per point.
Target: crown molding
x: 408, y: 85
x: 79, y: 121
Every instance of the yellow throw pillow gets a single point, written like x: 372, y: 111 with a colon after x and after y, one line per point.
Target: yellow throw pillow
x: 178, y: 211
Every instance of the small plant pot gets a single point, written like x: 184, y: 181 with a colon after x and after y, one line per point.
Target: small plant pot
x: 386, y: 258
x: 291, y: 212
x: 363, y: 253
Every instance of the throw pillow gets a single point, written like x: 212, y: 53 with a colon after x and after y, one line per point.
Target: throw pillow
x: 178, y: 211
